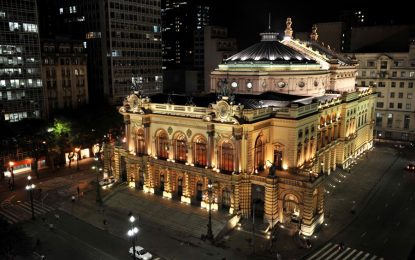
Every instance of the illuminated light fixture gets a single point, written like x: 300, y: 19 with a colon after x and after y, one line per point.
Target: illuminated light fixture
x: 285, y: 167
x: 286, y: 58
x: 249, y: 85
x: 257, y: 58
x: 299, y: 58
x: 234, y: 84
x: 244, y: 58
x: 272, y: 57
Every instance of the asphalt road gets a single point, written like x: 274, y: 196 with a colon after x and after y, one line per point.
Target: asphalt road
x: 385, y: 223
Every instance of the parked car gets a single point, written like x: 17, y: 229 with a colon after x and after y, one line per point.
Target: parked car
x: 107, y: 181
x: 141, y: 253
x: 410, y: 166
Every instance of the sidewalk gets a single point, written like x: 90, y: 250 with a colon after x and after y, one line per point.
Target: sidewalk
x: 350, y: 192
x: 187, y: 223
x: 182, y: 223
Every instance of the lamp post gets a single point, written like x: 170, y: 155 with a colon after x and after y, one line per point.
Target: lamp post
x: 77, y: 157
x: 132, y: 232
x: 11, y: 167
x: 209, y: 234
x: 98, y: 170
x: 30, y: 187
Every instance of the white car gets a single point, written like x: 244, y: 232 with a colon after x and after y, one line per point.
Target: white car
x: 140, y: 253
x: 107, y: 181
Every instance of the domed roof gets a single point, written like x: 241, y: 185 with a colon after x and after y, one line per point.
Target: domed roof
x: 270, y: 50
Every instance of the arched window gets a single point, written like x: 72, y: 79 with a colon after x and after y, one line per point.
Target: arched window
x: 180, y: 148
x: 259, y: 154
x: 162, y: 143
x: 140, y: 145
x: 200, y: 151
x: 226, y: 157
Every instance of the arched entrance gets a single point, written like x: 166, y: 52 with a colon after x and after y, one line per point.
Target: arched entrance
x: 291, y: 209
x: 258, y: 198
x: 199, y: 192
x: 226, y: 199
x: 180, y: 187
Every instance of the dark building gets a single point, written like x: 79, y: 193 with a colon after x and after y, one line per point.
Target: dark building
x: 183, y: 26
x: 64, y: 74
x: 122, y: 38
x: 180, y: 21
x: 21, y: 94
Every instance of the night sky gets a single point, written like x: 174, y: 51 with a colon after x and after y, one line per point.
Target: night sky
x: 247, y: 18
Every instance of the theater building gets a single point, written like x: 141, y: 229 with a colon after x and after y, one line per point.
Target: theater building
x: 281, y: 116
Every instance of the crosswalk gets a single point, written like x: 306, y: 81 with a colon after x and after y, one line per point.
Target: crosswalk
x: 21, y: 211
x: 331, y: 252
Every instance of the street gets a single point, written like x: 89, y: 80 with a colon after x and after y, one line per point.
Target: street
x: 370, y: 210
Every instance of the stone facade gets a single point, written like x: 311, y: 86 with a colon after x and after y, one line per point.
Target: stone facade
x: 266, y: 154
x: 393, y: 75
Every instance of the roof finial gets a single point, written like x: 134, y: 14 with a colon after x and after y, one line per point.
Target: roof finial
x: 314, y: 35
x: 288, y: 30
x: 269, y: 22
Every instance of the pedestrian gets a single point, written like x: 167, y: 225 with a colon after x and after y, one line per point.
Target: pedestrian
x: 73, y: 198
x: 57, y: 217
x: 77, y: 189
x: 104, y: 222
x: 51, y: 226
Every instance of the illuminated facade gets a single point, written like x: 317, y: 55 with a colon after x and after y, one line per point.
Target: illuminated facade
x: 393, y: 74
x: 259, y: 145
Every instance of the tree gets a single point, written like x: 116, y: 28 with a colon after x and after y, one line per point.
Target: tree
x: 13, y: 241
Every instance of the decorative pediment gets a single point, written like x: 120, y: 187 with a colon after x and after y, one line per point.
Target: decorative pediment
x: 225, y: 112
x: 134, y: 104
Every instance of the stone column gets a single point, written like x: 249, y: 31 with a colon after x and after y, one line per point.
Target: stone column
x: 210, y: 144
x: 237, y: 134
x: 149, y: 179
x: 329, y: 135
x: 271, y: 200
x: 146, y: 124
x: 127, y: 132
x: 234, y: 199
x: 186, y: 188
x: 167, y: 184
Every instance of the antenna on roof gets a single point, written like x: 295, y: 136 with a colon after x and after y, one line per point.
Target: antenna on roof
x: 269, y: 21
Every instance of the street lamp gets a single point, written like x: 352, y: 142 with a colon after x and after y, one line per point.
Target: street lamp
x: 30, y: 187
x: 209, y: 234
x: 11, y: 167
x: 99, y: 170
x: 77, y: 158
x: 321, y: 168
x: 132, y: 232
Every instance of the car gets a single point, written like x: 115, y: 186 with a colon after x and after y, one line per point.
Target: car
x: 107, y: 181
x: 410, y: 166
x: 140, y: 253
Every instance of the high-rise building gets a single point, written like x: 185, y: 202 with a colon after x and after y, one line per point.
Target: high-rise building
x: 180, y: 21
x: 183, y: 25
x: 64, y: 74
x: 21, y: 94
x: 210, y: 50
x: 122, y: 38
x: 393, y: 74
